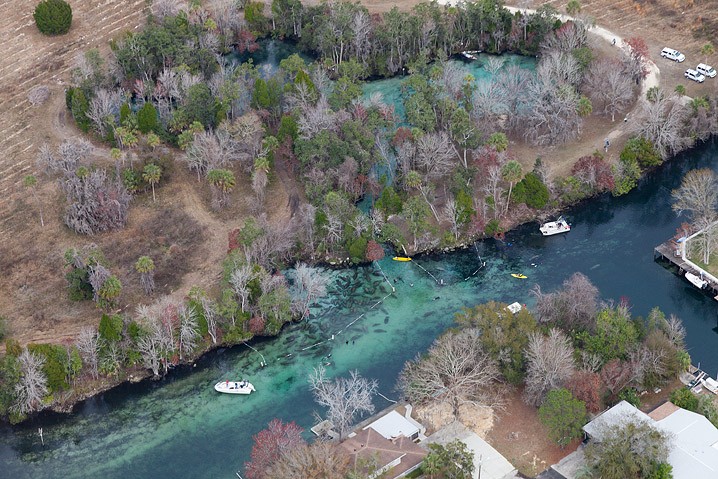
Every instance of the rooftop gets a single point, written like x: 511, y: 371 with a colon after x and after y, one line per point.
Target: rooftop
x: 368, y: 443
x: 487, y: 461
x: 694, y: 451
x: 693, y: 439
x: 393, y: 425
x: 621, y: 412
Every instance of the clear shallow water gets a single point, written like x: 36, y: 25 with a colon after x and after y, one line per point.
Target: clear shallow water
x: 390, y: 88
x: 179, y: 427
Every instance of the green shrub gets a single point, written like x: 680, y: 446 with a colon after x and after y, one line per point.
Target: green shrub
x: 78, y: 284
x: 110, y: 328
x: 53, y: 17
x: 531, y: 191
x: 79, y: 108
x: 492, y: 227
x: 684, y: 398
x: 389, y: 201
x: 9, y: 376
x: 641, y: 151
x: 564, y: 415
x: 3, y: 327
x: 630, y: 395
x: 147, y: 118
x: 357, y: 249
x: 59, y: 367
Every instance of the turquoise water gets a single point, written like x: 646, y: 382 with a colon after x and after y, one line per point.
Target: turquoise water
x: 390, y: 88
x: 180, y: 427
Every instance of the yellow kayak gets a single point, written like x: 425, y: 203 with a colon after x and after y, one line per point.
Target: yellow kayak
x: 519, y: 275
x: 401, y: 258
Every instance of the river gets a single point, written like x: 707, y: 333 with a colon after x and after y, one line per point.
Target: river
x: 179, y: 427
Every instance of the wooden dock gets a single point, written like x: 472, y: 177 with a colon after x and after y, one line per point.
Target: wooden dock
x: 670, y: 252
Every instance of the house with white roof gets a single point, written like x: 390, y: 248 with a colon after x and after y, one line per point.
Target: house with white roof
x: 693, y: 439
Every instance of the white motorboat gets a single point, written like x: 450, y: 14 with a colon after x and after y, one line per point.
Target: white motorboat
x: 555, y: 227
x: 234, y: 387
x: 471, y: 54
x: 696, y: 281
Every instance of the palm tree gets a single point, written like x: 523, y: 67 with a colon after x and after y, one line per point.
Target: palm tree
x: 224, y: 181
x: 30, y: 182
x: 512, y: 173
x: 146, y: 267
x: 152, y: 174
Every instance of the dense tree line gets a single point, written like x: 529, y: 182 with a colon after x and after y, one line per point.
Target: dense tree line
x: 572, y: 354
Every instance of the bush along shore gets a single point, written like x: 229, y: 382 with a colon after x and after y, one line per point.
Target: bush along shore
x: 441, y: 177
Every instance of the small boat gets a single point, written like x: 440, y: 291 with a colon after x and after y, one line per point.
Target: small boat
x: 471, y: 54
x: 401, y: 258
x: 555, y: 227
x: 696, y: 281
x: 514, y: 307
x: 234, y: 387
x: 519, y: 275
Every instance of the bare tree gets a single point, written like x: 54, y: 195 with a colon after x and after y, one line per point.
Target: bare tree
x: 553, y: 116
x: 157, y: 345
x: 494, y: 64
x: 434, y: 155
x: 309, y: 285
x: 647, y: 363
x: 344, y: 398
x: 561, y: 67
x: 98, y: 276
x: 663, y: 123
x: 188, y: 330
x: 456, y: 370
x: 698, y: 195
x: 574, y: 306
x: 316, y: 118
x: 88, y: 344
x: 707, y: 240
x: 316, y: 461
x: 675, y: 331
x: 607, y: 83
x: 103, y: 107
x: 38, y: 95
x: 32, y: 386
x: 211, y: 317
x: 549, y: 364
x: 167, y: 8
x: 451, y: 213
x: 96, y: 203
x: 307, y: 221
x: 239, y: 279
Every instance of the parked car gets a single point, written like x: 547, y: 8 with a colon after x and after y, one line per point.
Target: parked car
x: 706, y: 70
x: 694, y: 75
x: 672, y: 54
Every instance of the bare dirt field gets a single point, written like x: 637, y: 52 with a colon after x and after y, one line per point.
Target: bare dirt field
x: 190, y: 252
x: 521, y: 438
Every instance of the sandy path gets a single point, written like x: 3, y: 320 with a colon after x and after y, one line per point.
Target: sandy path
x: 652, y: 78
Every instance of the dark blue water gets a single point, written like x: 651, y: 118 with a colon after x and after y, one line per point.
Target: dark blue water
x: 180, y: 427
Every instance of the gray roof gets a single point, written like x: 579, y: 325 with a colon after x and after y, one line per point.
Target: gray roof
x: 693, y: 439
x: 694, y: 448
x: 618, y: 414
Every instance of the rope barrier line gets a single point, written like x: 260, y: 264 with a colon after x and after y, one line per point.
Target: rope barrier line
x: 427, y: 272
x: 393, y: 290
x: 390, y: 400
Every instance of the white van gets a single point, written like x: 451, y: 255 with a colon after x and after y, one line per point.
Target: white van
x: 706, y: 70
x: 672, y: 54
